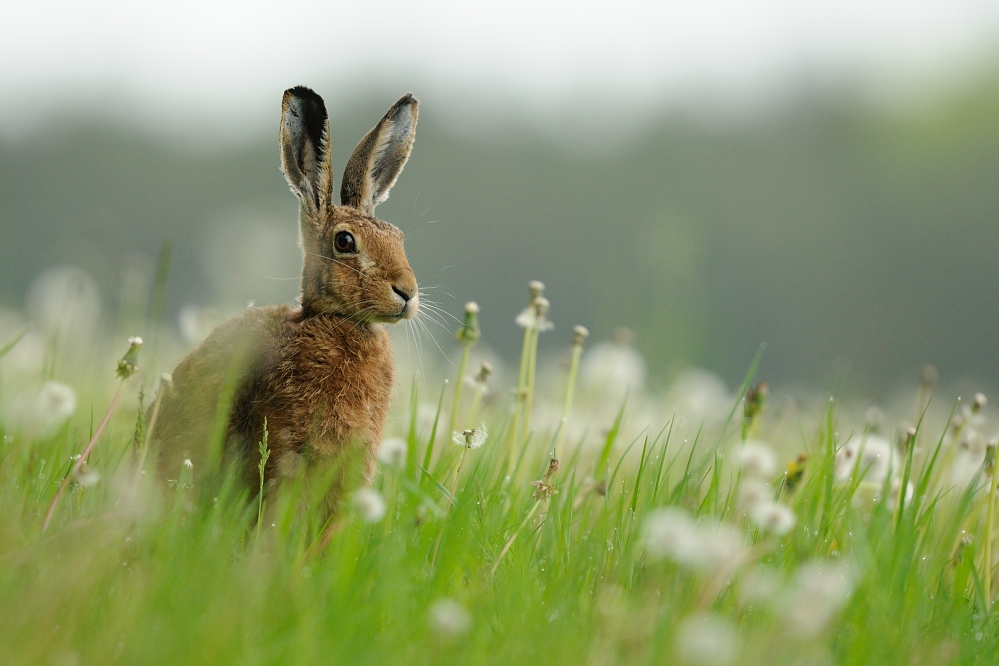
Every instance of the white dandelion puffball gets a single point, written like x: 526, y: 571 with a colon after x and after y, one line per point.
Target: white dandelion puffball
x: 757, y: 460
x: 672, y: 533
x: 700, y: 396
x: 87, y: 477
x: 369, y: 504
x: 55, y: 404
x: 707, y: 639
x: 753, y: 492
x: 534, y: 315
x: 869, y: 455
x: 472, y: 438
x: 668, y: 531
x: 392, y: 451
x: 46, y: 410
x: 449, y: 618
x: 66, y: 302
x: 612, y: 369
x: 820, y: 590
x: 773, y: 517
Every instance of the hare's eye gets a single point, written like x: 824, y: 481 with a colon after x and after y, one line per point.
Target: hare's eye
x: 344, y: 242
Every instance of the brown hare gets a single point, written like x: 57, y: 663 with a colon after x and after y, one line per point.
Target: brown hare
x: 321, y: 372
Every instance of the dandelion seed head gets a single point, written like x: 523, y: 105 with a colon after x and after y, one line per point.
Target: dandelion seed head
x: 472, y: 438
x: 757, y: 460
x: 753, y: 492
x: 87, y: 476
x: 819, y: 591
x: 707, y: 640
x: 672, y: 533
x: 610, y: 370
x: 773, y: 517
x: 392, y: 451
x: 369, y: 504
x: 56, y: 403
x: 449, y: 618
x: 869, y: 455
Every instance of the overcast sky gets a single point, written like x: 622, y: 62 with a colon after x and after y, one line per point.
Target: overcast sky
x: 162, y: 60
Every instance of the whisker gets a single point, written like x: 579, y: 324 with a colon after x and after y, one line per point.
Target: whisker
x: 425, y: 328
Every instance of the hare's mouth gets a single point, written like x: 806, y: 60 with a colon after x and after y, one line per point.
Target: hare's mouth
x: 408, y: 306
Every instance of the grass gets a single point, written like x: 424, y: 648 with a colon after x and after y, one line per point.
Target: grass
x: 589, y: 563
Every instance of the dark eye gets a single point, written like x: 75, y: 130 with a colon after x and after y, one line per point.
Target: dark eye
x: 344, y: 242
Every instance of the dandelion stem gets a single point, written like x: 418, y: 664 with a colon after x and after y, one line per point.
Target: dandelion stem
x: 462, y: 366
x: 580, y: 334
x: 467, y: 336
x: 509, y: 544
x: 82, y: 458
x: 532, y: 362
x: 521, y: 389
x: 989, y: 522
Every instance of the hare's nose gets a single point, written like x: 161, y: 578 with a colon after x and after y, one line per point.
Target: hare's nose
x: 406, y: 293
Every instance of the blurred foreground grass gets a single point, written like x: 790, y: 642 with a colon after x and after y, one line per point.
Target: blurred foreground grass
x: 669, y: 533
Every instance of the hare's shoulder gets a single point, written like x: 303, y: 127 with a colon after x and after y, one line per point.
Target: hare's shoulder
x: 237, y: 345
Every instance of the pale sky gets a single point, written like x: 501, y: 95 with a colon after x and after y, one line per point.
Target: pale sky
x: 161, y: 61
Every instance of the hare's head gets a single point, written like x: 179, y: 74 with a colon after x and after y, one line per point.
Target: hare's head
x: 355, y: 264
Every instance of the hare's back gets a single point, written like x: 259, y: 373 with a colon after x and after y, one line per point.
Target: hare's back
x: 206, y: 381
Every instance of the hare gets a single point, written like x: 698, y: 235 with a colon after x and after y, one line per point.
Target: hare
x: 320, y: 374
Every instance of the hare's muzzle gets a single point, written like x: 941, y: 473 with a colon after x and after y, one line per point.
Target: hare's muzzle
x: 408, y: 298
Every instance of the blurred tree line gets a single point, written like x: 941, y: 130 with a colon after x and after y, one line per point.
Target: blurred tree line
x: 833, y: 232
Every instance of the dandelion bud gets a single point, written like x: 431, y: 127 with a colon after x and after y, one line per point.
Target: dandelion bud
x: 485, y: 370
x: 756, y: 399
x: 129, y: 363
x: 469, y: 332
x: 979, y: 402
x: 536, y: 288
x: 579, y: 335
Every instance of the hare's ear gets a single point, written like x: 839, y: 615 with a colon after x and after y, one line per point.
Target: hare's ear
x: 379, y: 157
x: 305, y: 153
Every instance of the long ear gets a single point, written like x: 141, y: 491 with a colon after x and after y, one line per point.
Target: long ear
x: 378, y: 159
x: 305, y: 154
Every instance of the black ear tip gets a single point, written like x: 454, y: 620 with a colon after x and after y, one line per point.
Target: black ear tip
x: 407, y: 99
x: 306, y: 95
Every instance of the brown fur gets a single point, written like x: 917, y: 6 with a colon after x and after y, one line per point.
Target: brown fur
x: 321, y: 374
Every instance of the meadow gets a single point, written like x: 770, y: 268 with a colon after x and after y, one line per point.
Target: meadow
x: 557, y: 511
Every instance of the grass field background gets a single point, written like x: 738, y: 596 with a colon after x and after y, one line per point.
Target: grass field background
x: 688, y: 524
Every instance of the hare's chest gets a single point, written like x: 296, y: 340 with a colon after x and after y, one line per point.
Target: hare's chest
x: 343, y: 387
